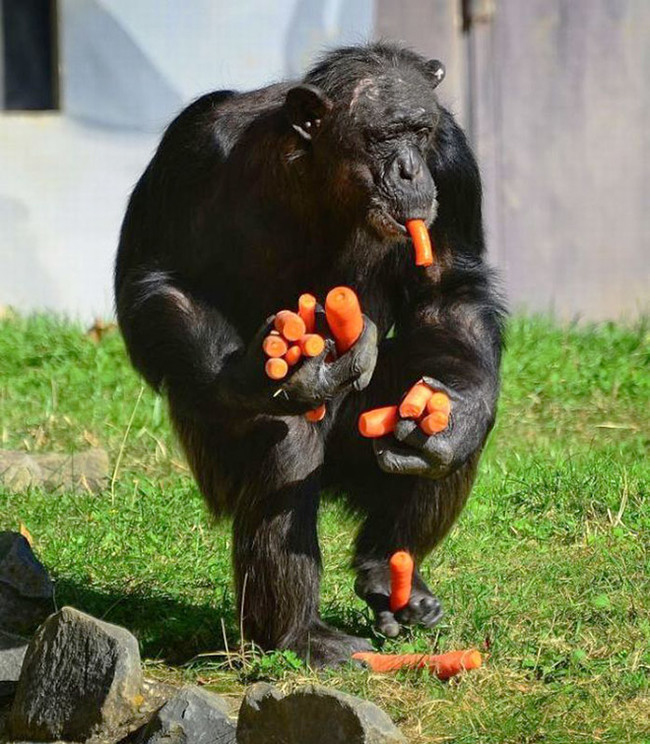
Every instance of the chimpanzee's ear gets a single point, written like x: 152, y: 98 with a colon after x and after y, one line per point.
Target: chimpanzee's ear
x: 306, y: 105
x: 436, y: 71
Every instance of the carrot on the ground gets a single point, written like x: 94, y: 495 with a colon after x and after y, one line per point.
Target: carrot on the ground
x: 293, y: 355
x: 318, y: 414
x: 290, y: 325
x: 443, y: 666
x: 378, y: 422
x: 312, y: 344
x: 421, y: 242
x: 274, y: 346
x: 344, y: 317
x: 415, y: 401
x: 307, y: 311
x: 276, y: 368
x: 434, y: 423
x: 401, y: 578
x: 439, y: 401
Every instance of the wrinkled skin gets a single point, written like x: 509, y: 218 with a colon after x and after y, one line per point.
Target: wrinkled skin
x: 254, y: 198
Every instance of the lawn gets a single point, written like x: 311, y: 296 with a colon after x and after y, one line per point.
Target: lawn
x: 547, y: 571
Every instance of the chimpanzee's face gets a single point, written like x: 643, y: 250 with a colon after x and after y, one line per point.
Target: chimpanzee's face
x: 369, y: 149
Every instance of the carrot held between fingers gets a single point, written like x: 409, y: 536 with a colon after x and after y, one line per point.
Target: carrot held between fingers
x: 290, y: 325
x: 421, y: 242
x: 307, y: 311
x: 401, y: 579
x: 439, y: 401
x: 293, y: 355
x: 312, y: 344
x: 434, y: 423
x: 415, y: 401
x: 274, y: 346
x: 344, y: 317
x: 318, y: 414
x: 443, y: 666
x: 276, y: 368
x: 379, y: 422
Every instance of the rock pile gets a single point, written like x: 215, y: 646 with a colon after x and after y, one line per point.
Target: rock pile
x: 80, y: 679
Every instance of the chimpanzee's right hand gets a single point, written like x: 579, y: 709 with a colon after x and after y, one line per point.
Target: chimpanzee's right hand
x: 311, y: 382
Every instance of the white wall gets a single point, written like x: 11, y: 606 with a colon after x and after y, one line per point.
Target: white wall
x: 127, y: 67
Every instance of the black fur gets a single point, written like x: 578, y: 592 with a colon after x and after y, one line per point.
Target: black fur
x: 253, y: 198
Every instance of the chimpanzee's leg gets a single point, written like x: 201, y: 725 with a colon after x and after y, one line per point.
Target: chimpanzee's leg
x: 268, y: 473
x: 400, y: 512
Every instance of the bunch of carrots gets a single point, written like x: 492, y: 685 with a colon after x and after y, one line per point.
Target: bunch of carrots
x: 294, y: 334
x: 443, y: 666
x: 431, y: 408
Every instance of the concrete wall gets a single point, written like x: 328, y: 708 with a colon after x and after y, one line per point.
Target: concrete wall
x: 126, y: 68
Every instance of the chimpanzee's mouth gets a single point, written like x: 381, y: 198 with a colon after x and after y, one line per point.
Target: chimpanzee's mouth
x: 385, y: 224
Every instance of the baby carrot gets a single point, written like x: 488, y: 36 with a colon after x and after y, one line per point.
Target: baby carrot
x: 307, y: 311
x: 401, y: 577
x: 443, y: 666
x: 274, y: 346
x: 276, y: 368
x: 439, y: 401
x: 290, y: 325
x: 318, y: 414
x: 378, y: 422
x: 415, y: 401
x: 434, y: 423
x: 421, y: 242
x: 344, y: 317
x: 312, y: 344
x: 293, y: 355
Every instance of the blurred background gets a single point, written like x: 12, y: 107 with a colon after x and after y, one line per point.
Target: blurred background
x: 554, y: 94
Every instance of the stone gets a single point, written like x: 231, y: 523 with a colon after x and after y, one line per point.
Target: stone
x: 80, y: 676
x: 312, y: 715
x: 192, y: 716
x: 12, y: 653
x: 21, y: 470
x: 26, y: 591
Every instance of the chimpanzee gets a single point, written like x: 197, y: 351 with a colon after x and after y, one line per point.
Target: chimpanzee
x: 254, y: 198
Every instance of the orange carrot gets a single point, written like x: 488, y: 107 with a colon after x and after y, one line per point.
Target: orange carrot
x: 293, y: 355
x: 401, y: 577
x: 307, y: 311
x: 344, y: 317
x: 415, y: 401
x: 421, y: 242
x: 434, y: 423
x: 274, y: 346
x: 312, y: 344
x: 443, y: 666
x: 276, y: 368
x: 439, y: 401
x: 318, y: 414
x: 290, y: 325
x: 378, y: 422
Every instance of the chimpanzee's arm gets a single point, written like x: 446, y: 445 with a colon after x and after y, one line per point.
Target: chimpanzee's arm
x: 449, y: 330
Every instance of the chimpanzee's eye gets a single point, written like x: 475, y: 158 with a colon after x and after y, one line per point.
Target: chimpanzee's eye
x: 423, y: 135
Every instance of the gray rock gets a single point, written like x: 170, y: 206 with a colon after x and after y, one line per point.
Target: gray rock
x: 312, y: 715
x: 21, y: 470
x: 193, y: 716
x: 26, y: 592
x: 12, y: 653
x: 80, y: 676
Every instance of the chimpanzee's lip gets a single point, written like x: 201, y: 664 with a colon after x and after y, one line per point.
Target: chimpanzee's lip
x: 394, y: 223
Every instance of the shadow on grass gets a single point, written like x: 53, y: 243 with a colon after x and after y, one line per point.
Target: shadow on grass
x: 168, y: 629
x: 172, y: 630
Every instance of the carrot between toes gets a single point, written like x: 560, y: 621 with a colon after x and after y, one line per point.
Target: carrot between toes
x: 401, y: 578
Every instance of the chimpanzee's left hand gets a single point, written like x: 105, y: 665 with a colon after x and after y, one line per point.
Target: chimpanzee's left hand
x: 409, y: 451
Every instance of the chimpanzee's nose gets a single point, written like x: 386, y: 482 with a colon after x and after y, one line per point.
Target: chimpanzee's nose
x: 409, y: 168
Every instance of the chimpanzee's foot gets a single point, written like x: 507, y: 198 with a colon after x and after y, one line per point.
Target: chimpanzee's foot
x: 322, y: 645
x: 373, y: 586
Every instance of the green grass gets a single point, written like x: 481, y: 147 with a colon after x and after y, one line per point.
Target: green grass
x: 547, y: 567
